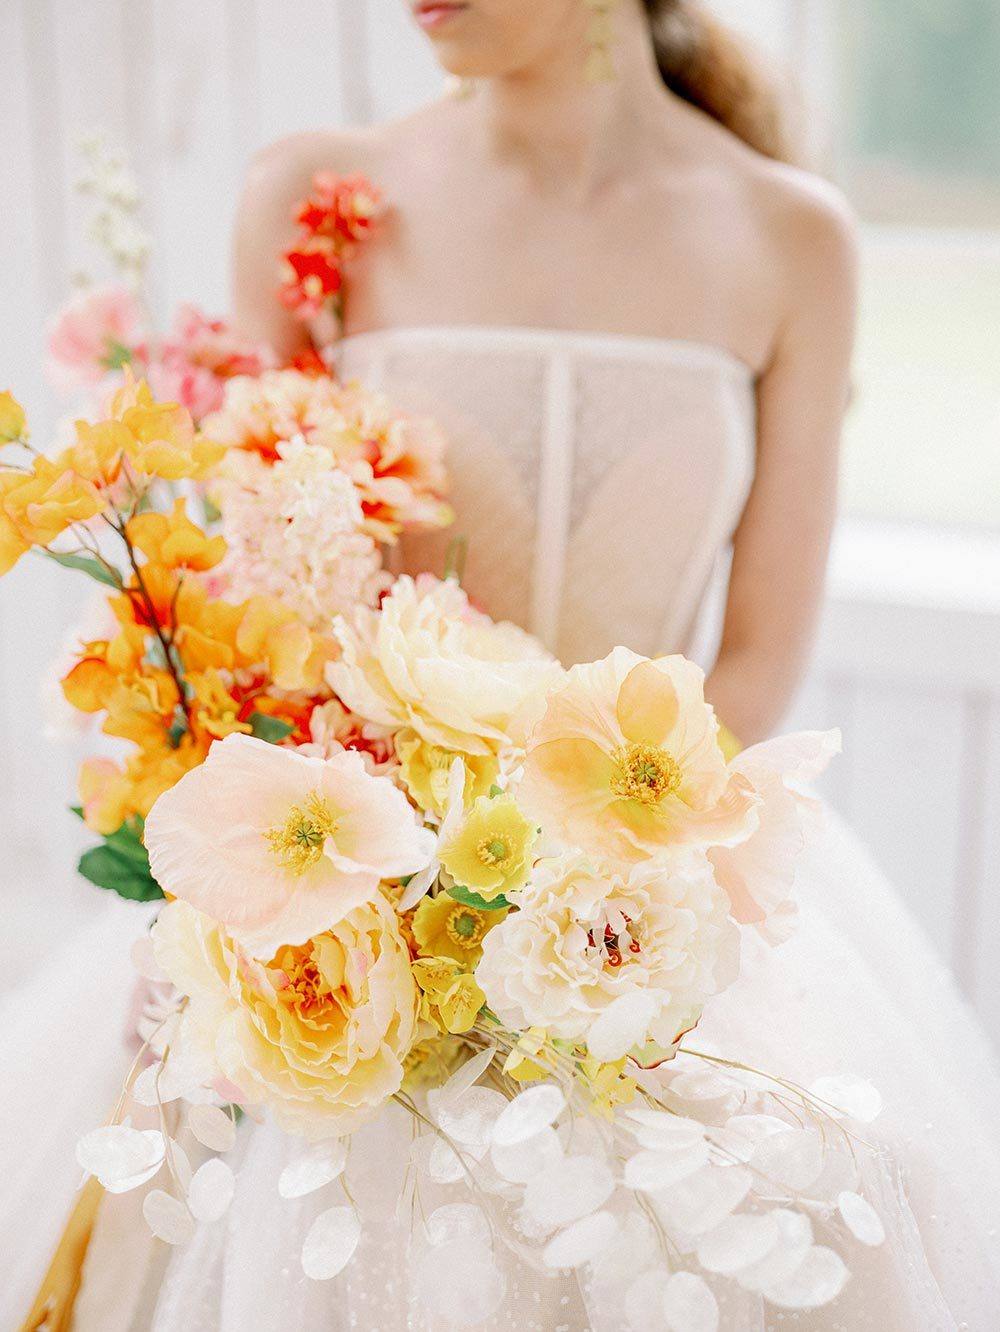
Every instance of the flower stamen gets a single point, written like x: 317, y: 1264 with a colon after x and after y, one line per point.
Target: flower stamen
x: 465, y: 926
x: 645, y: 773
x: 298, y: 844
x: 495, y: 852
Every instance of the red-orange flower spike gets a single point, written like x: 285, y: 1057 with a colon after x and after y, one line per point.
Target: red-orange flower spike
x: 340, y: 212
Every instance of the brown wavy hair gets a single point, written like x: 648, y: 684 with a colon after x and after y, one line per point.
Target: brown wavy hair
x: 703, y: 61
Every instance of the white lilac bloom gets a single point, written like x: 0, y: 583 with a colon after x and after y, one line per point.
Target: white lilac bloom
x: 295, y: 532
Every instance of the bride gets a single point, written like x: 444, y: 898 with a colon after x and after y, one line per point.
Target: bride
x: 633, y: 317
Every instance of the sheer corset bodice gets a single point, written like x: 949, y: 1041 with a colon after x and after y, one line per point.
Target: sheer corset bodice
x: 598, y: 479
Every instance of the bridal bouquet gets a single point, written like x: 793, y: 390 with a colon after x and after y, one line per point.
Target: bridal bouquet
x: 411, y: 861
x: 416, y: 871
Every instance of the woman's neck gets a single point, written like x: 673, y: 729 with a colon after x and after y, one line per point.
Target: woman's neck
x: 568, y: 132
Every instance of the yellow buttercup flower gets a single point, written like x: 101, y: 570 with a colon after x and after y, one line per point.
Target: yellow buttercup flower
x: 105, y: 793
x: 162, y: 438
x: 608, y: 1085
x: 140, y: 438
x: 13, y: 425
x: 174, y: 541
x: 521, y: 1064
x: 491, y: 852
x: 450, y: 998
x: 425, y: 769
x: 443, y: 927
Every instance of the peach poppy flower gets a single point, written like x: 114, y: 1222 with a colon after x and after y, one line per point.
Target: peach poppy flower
x: 625, y: 762
x: 278, y: 847
x: 759, y: 874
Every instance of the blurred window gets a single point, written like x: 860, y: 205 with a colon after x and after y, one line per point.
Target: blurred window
x: 915, y: 86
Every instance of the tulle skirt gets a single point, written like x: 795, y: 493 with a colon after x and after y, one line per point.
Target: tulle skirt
x: 858, y: 990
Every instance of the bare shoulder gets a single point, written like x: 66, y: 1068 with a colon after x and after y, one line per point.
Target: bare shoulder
x: 809, y: 227
x: 282, y: 171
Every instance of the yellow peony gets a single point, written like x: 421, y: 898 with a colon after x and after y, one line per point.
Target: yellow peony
x: 626, y: 764
x: 443, y: 927
x: 318, y: 1033
x: 490, y: 853
x: 427, y: 661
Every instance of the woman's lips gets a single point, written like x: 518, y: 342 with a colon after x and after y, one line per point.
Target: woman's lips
x: 433, y: 14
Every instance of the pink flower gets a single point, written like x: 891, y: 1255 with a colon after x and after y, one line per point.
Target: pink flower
x: 759, y: 873
x: 277, y: 846
x: 96, y: 332
x: 193, y: 364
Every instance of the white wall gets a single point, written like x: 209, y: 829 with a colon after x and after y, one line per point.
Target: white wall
x: 911, y: 670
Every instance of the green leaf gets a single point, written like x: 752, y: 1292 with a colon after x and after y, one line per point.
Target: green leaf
x: 86, y: 564
x: 468, y: 898
x: 127, y: 841
x: 109, y: 868
x: 121, y: 863
x: 271, y: 729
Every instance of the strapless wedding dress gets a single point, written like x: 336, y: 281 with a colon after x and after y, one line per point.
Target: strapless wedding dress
x: 599, y: 481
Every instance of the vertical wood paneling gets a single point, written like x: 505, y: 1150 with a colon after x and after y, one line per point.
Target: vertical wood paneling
x: 88, y: 72
x: 244, y: 70
x: 34, y: 603
x: 356, y: 71
x: 403, y: 70
x: 197, y: 177
x: 299, y: 59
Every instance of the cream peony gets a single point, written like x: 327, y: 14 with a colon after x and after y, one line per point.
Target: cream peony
x: 759, y: 874
x: 428, y: 661
x: 625, y: 762
x: 654, y: 941
x: 277, y: 846
x: 317, y: 1033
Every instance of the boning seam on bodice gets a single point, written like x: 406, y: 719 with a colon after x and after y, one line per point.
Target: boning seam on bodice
x: 553, y: 499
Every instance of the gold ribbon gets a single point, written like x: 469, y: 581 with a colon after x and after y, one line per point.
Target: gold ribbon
x: 52, y: 1310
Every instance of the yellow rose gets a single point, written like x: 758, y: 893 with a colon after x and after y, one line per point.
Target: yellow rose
x: 491, y: 852
x: 318, y: 1034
